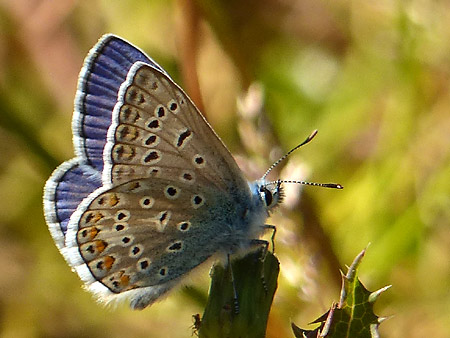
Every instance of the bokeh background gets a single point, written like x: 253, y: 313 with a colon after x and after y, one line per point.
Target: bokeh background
x: 372, y: 76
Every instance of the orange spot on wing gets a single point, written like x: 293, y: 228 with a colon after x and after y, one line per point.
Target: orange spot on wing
x: 100, y: 246
x: 93, y: 217
x: 93, y: 232
x: 108, y: 262
x: 113, y: 200
x: 124, y: 280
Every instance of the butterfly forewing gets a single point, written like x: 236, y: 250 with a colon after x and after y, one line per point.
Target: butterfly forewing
x: 104, y: 70
x: 160, y: 133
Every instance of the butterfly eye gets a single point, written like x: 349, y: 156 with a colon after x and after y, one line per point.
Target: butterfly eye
x: 266, y: 196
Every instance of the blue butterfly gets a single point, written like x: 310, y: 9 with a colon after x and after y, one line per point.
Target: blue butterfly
x: 152, y: 192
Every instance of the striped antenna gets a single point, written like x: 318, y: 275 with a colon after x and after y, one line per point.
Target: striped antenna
x: 324, y: 185
x: 308, y: 139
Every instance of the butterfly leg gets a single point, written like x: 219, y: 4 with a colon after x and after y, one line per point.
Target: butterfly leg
x: 235, y: 295
x: 274, y: 231
x: 264, y: 245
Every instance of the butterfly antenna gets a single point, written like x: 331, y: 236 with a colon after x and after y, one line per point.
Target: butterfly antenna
x: 324, y: 185
x: 308, y: 139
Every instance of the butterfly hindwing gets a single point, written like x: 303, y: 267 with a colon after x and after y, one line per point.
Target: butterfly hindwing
x: 69, y: 184
x: 145, y: 233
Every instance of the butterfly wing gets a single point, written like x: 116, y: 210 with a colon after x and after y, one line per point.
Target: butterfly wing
x: 104, y: 70
x: 68, y: 186
x: 158, y: 132
x: 151, y: 144
x: 139, y: 238
x: 165, y: 169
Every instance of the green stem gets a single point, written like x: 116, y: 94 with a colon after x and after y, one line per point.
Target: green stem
x: 255, y: 295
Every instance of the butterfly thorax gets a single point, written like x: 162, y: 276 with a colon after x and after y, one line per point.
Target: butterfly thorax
x: 249, y: 216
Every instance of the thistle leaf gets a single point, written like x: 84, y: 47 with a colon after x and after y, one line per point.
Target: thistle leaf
x: 353, y: 316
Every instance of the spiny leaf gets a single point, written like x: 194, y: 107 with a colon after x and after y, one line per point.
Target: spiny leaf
x: 353, y: 316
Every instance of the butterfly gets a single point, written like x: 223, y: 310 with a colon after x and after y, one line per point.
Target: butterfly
x: 152, y: 192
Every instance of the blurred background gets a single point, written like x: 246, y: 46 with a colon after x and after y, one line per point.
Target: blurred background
x: 372, y: 76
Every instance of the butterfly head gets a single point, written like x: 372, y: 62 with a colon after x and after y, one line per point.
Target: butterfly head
x: 271, y: 193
